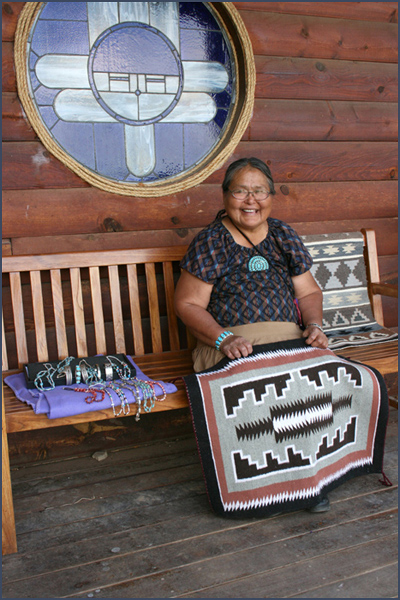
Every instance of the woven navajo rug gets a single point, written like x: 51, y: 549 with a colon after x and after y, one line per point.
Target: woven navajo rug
x: 281, y: 428
x: 339, y: 270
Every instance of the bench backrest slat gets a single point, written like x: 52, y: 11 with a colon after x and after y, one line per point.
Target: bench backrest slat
x: 79, y: 315
x: 4, y: 357
x: 38, y: 316
x: 59, y: 313
x: 169, y: 295
x: 116, y: 306
x: 19, y: 319
x: 98, y: 314
x: 134, y: 303
x: 155, y: 324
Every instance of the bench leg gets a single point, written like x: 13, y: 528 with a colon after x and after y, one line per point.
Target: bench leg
x: 9, y: 538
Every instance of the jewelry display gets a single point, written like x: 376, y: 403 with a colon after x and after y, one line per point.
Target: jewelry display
x: 44, y: 376
x: 143, y: 392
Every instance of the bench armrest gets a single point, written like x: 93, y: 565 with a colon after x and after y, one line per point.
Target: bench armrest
x: 385, y: 289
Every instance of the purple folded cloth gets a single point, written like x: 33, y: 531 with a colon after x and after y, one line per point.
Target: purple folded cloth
x: 59, y: 402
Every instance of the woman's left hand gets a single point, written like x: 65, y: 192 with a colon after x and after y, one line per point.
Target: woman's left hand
x: 315, y: 337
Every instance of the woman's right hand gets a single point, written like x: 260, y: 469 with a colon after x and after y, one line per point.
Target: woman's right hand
x: 236, y: 346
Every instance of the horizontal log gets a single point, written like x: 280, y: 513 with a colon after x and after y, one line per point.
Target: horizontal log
x: 272, y: 120
x: 301, y: 78
x: 302, y: 35
x: 386, y: 230
x: 103, y: 241
x: 167, y: 238
x: 41, y: 169
x: 320, y: 161
x: 385, y: 289
x: 317, y: 37
x: 279, y: 120
x: 28, y: 165
x: 15, y: 125
x: 293, y: 36
x: 360, y: 11
x: 9, y: 19
x: 323, y: 79
x: 363, y: 11
x: 8, y: 79
x: 32, y: 213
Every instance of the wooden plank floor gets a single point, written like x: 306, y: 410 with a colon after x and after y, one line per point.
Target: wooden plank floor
x: 138, y: 525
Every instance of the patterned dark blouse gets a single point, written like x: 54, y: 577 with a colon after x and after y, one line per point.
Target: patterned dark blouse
x: 241, y: 293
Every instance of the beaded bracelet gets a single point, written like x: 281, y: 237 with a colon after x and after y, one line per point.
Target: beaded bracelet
x: 221, y: 338
x: 315, y: 325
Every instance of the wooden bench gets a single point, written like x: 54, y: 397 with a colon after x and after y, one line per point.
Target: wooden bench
x: 82, y: 304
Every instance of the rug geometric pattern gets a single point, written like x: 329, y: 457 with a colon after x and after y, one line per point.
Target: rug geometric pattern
x: 278, y: 430
x: 339, y: 270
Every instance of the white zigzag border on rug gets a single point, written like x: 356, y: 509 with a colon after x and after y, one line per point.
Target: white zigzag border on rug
x: 300, y: 494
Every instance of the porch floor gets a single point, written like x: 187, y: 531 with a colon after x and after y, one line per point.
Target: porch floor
x: 138, y: 525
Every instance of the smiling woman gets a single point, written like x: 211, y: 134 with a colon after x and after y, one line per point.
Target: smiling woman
x: 246, y: 277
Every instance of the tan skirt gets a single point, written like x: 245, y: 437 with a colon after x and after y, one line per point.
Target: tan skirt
x: 205, y: 356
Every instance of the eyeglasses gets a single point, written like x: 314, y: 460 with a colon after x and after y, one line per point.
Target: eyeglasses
x: 242, y: 194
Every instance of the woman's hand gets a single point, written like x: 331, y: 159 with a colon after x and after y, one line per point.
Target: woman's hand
x: 309, y: 296
x: 235, y: 346
x: 315, y: 337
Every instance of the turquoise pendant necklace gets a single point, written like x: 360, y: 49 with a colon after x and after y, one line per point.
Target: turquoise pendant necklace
x: 256, y: 263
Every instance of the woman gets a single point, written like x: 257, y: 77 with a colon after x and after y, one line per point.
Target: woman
x: 246, y: 276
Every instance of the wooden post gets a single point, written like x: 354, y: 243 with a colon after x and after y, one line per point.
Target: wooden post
x: 9, y: 538
x: 373, y: 274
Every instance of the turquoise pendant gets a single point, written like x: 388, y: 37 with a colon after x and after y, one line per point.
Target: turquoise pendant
x: 258, y: 263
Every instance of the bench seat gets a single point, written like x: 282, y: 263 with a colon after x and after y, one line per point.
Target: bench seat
x: 164, y: 367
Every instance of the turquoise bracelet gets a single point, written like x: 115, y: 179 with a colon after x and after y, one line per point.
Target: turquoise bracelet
x: 221, y: 338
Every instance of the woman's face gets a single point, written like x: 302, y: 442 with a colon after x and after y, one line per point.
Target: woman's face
x: 249, y: 213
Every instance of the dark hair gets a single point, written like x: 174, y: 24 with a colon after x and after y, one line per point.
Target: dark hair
x: 255, y: 163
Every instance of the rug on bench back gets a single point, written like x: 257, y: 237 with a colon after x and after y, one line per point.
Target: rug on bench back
x: 339, y: 269
x: 281, y: 428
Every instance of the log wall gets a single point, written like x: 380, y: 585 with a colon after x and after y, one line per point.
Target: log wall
x: 325, y: 120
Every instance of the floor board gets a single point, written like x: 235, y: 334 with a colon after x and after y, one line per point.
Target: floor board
x: 138, y: 525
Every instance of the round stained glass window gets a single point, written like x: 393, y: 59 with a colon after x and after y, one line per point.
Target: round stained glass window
x: 137, y: 98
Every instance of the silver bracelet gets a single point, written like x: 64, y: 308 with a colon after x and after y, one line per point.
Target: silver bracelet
x: 84, y: 372
x: 109, y: 372
x: 68, y: 375
x: 315, y: 325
